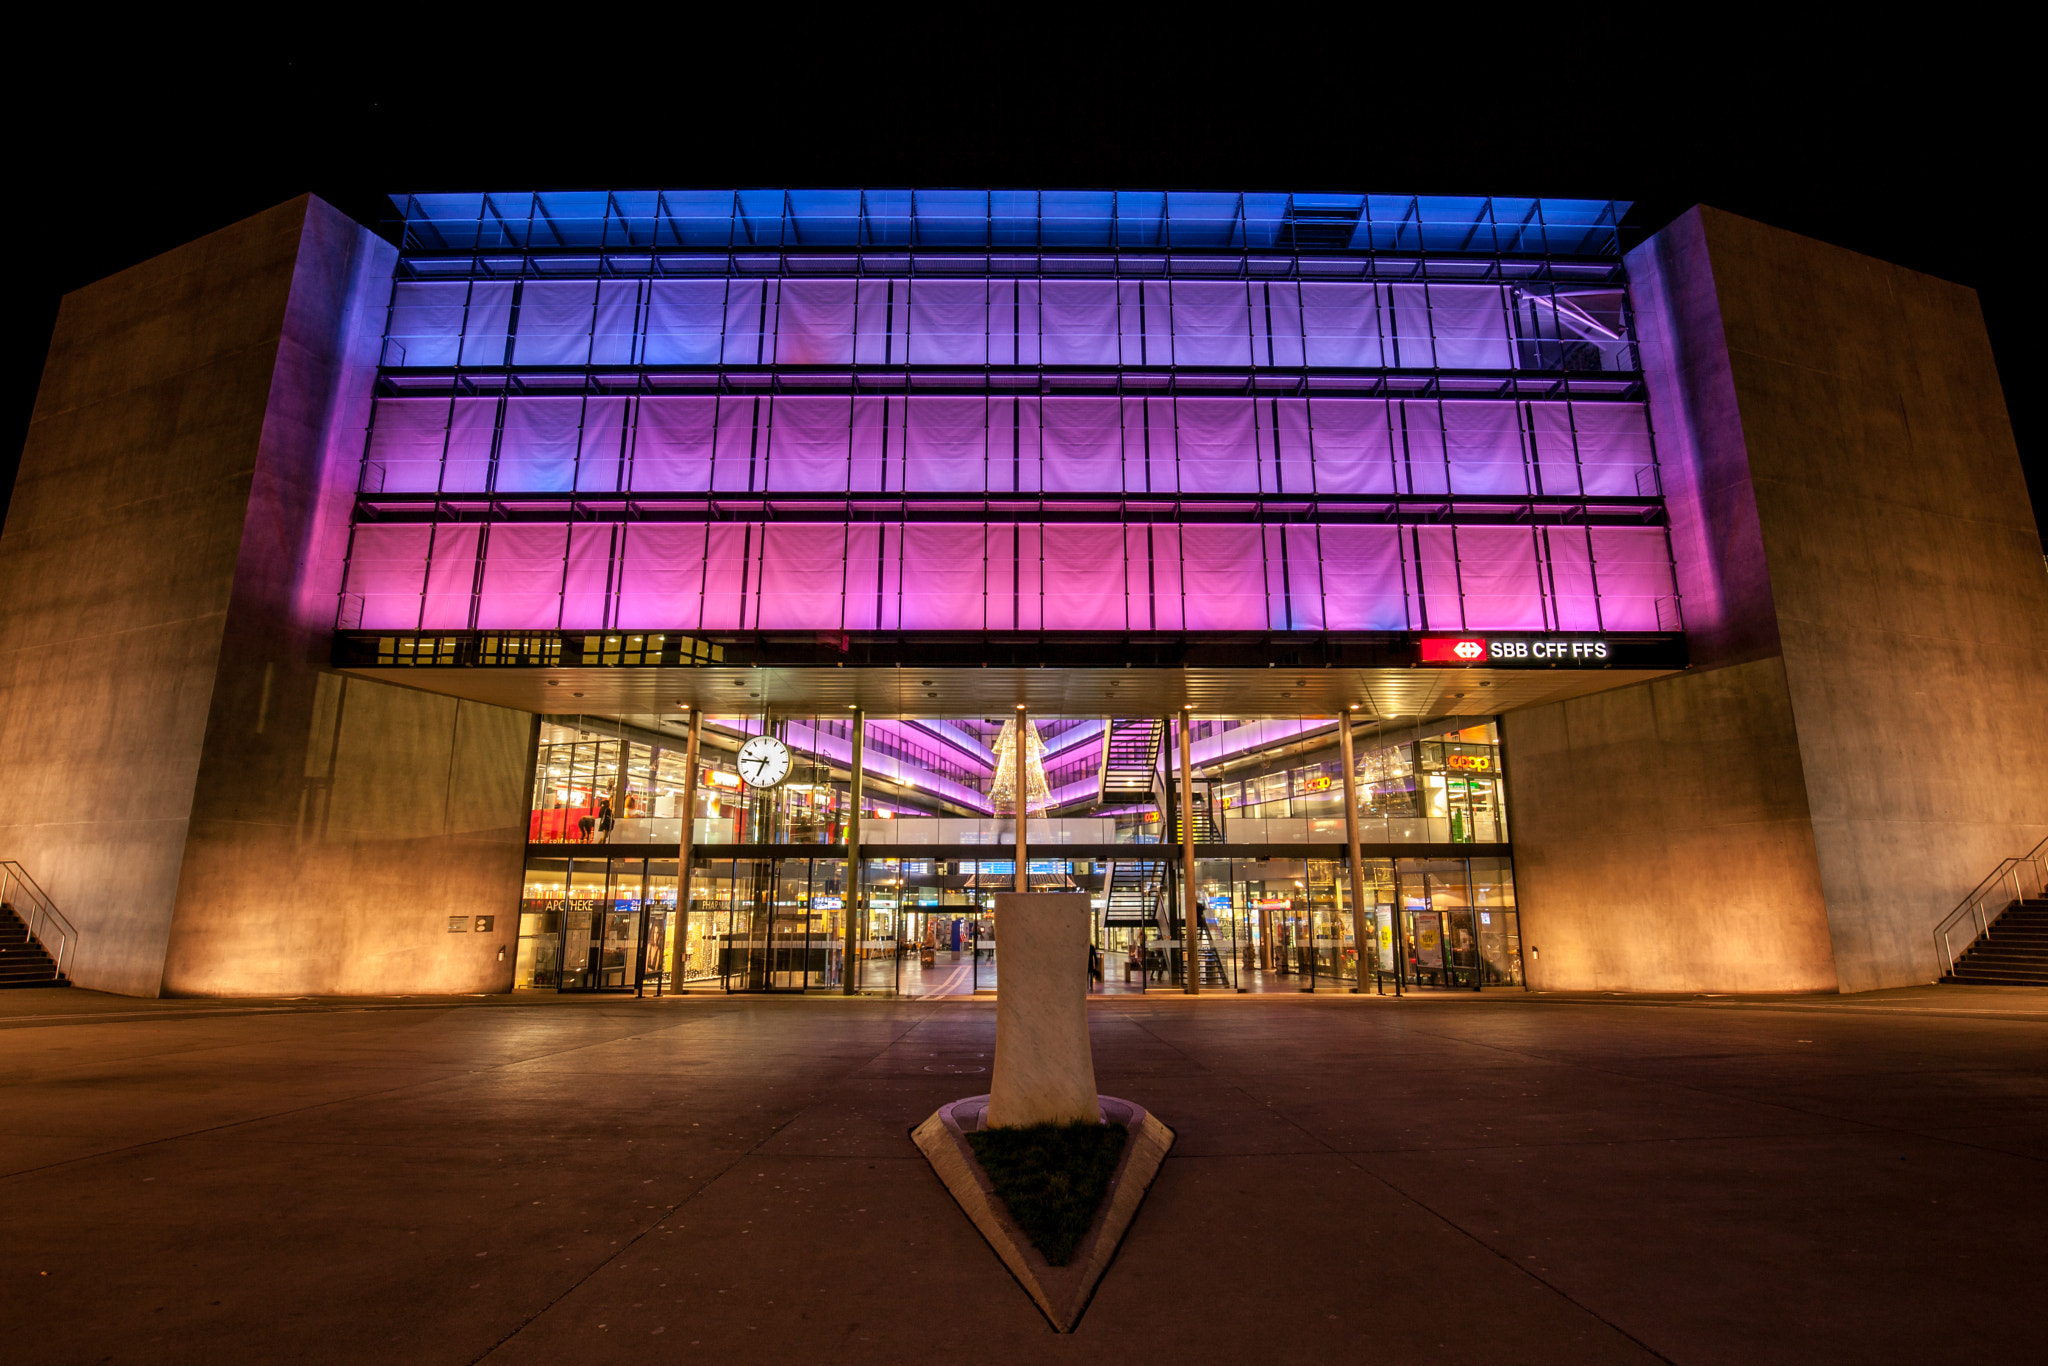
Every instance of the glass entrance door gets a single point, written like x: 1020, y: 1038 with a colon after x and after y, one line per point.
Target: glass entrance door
x: 791, y: 930
x: 601, y: 925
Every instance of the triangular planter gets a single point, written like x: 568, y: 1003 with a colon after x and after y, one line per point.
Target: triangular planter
x: 1061, y: 1292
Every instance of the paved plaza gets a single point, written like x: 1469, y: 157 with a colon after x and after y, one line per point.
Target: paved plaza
x: 1499, y: 1178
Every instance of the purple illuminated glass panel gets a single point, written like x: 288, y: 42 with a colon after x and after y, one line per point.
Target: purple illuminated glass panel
x: 1399, y: 396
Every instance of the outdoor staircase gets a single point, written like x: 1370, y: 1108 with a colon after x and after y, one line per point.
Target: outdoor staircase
x: 23, y: 961
x: 2001, y: 927
x: 1130, y: 760
x: 2013, y: 952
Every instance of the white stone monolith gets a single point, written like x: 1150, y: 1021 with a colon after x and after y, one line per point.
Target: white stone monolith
x: 1045, y: 1070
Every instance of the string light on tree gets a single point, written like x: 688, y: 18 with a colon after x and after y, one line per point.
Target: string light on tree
x: 1002, y: 793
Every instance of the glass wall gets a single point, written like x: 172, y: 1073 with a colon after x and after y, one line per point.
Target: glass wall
x: 593, y: 924
x: 598, y: 781
x: 1425, y: 422
x: 757, y: 220
x: 1278, y: 917
x: 1287, y: 924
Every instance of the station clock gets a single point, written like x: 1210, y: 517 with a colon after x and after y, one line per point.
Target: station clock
x: 764, y: 761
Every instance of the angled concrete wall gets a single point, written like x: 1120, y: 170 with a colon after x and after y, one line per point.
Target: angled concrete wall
x: 122, y: 540
x: 177, y: 765
x: 337, y: 824
x: 1846, y: 503
x: 1906, y: 568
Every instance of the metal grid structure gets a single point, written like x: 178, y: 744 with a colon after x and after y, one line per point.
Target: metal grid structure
x: 748, y: 411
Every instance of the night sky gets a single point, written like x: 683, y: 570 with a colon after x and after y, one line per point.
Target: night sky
x: 1918, y: 155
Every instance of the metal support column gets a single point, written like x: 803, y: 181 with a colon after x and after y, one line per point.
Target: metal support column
x: 1020, y: 754
x: 1191, y: 907
x: 679, y: 923
x: 854, y: 915
x: 1359, y: 922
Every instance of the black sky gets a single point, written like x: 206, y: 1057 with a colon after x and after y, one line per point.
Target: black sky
x: 1919, y: 152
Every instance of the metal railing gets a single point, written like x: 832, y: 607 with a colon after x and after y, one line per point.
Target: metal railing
x: 2016, y: 879
x: 46, y: 925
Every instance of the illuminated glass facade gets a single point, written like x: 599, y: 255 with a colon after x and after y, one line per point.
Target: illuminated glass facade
x: 898, y: 412
x: 553, y: 503
x: 665, y: 430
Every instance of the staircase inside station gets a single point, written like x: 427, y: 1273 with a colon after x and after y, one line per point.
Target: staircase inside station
x: 1130, y: 760
x: 1132, y: 891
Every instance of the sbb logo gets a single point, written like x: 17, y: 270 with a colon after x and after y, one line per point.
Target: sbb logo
x: 1459, y: 650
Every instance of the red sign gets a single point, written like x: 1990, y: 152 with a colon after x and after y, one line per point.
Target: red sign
x: 1454, y: 650
x: 1517, y: 652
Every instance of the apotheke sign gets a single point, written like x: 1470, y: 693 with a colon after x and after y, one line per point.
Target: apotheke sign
x: 1517, y: 651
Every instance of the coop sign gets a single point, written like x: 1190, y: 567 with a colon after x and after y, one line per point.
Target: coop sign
x: 1516, y: 651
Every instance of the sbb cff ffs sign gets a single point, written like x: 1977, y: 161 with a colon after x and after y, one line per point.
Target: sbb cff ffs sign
x: 1516, y: 651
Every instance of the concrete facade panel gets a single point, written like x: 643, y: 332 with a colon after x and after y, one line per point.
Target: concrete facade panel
x: 338, y: 824
x: 343, y: 882
x: 1662, y: 841
x: 126, y: 521
x: 1717, y: 549
x: 183, y: 774
x: 1847, y: 509
x: 1906, y: 571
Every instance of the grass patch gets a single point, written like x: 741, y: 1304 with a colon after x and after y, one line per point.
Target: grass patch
x: 1052, y: 1177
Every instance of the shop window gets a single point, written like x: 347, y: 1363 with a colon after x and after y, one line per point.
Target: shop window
x: 622, y: 649
x: 525, y: 650
x: 417, y: 649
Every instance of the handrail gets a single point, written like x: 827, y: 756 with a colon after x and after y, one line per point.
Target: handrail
x: 44, y: 920
x: 2005, y: 882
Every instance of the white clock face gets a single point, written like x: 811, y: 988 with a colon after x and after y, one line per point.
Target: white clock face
x: 764, y: 761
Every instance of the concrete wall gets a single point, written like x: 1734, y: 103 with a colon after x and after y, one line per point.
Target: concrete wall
x: 200, y: 795
x: 1847, y: 503
x: 119, y: 553
x: 1906, y: 568
x: 1663, y: 841
x: 337, y: 823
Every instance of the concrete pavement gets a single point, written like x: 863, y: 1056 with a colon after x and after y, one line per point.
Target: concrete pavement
x: 1500, y: 1177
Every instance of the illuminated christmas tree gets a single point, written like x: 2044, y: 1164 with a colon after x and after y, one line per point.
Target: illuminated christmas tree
x: 1002, y: 793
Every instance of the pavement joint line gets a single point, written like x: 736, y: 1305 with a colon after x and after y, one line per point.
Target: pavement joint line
x: 754, y: 1153
x: 1352, y: 1161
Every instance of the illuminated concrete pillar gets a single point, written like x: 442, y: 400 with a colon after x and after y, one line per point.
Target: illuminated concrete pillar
x: 686, y: 843
x: 1021, y: 757
x: 853, y: 917
x: 1358, y: 912
x: 1191, y: 976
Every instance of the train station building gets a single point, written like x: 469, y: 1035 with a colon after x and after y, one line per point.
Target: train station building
x: 693, y: 591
